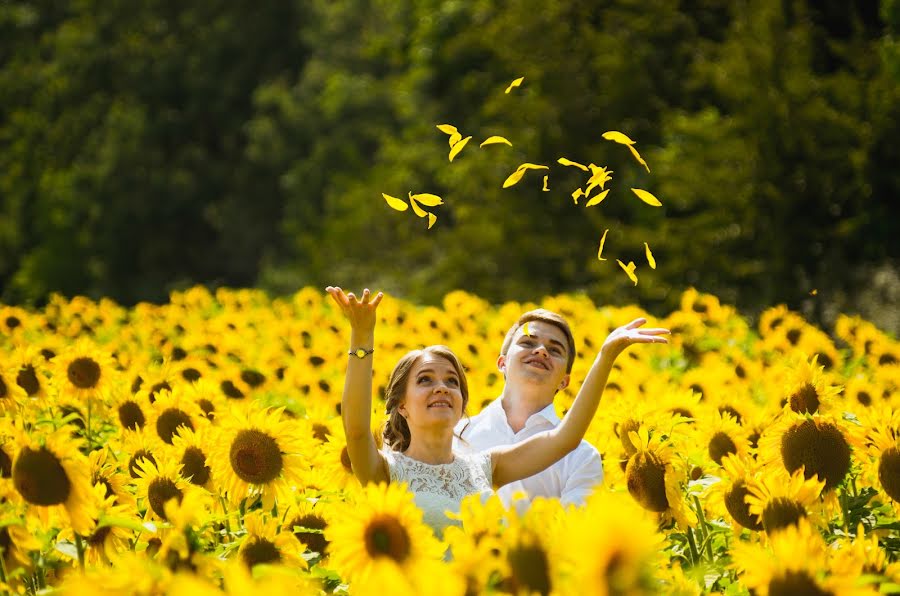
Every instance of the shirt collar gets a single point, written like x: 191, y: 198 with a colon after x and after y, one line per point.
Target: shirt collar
x: 548, y: 413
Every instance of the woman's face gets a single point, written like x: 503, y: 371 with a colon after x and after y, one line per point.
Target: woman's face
x: 433, y: 395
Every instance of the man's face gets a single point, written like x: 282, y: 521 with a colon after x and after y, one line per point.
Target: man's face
x: 539, y: 357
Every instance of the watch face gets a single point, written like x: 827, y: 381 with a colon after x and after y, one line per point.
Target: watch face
x: 360, y: 353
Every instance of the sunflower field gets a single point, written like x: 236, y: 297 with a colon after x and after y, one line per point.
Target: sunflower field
x: 196, y: 447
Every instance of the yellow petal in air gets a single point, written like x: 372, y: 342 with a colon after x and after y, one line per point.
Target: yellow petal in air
x: 646, y: 197
x: 629, y: 269
x: 454, y: 138
x: 454, y: 151
x: 415, y: 207
x: 569, y: 162
x: 597, y: 199
x: 638, y: 157
x: 395, y: 203
x: 526, y: 330
x: 602, y: 242
x: 617, y: 137
x: 545, y: 189
x: 813, y: 292
x: 429, y: 200
x: 514, y: 84
x: 578, y: 193
x: 494, y: 140
x: 520, y: 171
x: 650, y: 258
x: 447, y: 128
x: 431, y: 219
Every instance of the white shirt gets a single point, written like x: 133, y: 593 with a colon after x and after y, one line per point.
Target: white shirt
x: 571, y: 479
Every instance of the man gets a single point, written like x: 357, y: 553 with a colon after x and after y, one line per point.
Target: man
x: 536, y: 361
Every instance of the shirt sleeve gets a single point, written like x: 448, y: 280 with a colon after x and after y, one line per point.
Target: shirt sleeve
x: 585, y: 477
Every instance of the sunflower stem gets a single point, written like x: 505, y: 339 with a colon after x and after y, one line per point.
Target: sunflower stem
x: 88, y: 435
x: 695, y: 556
x: 707, y: 534
x: 3, y: 568
x: 225, y: 512
x: 79, y: 546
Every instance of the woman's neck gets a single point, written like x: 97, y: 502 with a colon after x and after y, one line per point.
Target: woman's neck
x: 430, y: 447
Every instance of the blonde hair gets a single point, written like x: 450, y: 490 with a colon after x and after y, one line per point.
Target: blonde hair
x: 396, y: 431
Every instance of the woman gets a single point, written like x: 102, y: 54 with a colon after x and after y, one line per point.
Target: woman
x: 427, y: 395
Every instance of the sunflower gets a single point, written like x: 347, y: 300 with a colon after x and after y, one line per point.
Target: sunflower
x: 307, y: 520
x: 108, y: 474
x: 808, y: 390
x: 779, y: 501
x: 83, y: 372
x: 267, y: 544
x: 180, y: 545
x: 192, y: 450
x: 476, y: 544
x: 137, y: 445
x: 206, y: 394
x: 11, y: 394
x: 794, y: 563
x: 51, y: 475
x: 106, y: 540
x: 129, y: 410
x: 258, y: 454
x: 380, y: 544
x: 157, y: 483
x: 860, y: 392
x: 728, y: 495
x: 721, y: 435
x: 863, y: 555
x: 654, y: 477
x: 880, y: 442
x: 29, y: 369
x: 171, y: 412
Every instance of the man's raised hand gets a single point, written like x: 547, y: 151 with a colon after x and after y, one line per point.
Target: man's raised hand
x: 632, y: 333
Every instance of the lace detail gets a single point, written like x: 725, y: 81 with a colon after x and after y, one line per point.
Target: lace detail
x: 438, y: 488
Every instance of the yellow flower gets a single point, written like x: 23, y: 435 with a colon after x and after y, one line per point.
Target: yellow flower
x: 779, y: 501
x: 192, y: 449
x: 307, y: 521
x: 157, y: 483
x: 172, y: 411
x: 654, y: 477
x: 83, y: 371
x: 265, y: 543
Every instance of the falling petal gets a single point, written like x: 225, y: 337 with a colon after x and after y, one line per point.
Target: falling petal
x: 520, y: 171
x: 526, y: 330
x: 514, y: 84
x: 431, y: 219
x: 454, y: 151
x: 617, y: 137
x: 629, y: 269
x: 545, y: 189
x: 650, y: 258
x: 597, y: 199
x: 429, y: 200
x: 447, y: 128
x: 532, y: 166
x: 646, y: 197
x: 599, y: 177
x: 602, y: 242
x: 578, y: 193
x: 495, y: 140
x: 638, y: 157
x: 813, y: 292
x: 454, y: 139
x: 395, y: 203
x: 415, y: 207
x: 569, y: 162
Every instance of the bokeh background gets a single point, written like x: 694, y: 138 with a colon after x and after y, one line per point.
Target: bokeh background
x: 147, y: 146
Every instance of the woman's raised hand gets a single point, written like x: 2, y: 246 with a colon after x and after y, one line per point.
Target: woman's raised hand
x: 632, y: 333
x: 359, y: 311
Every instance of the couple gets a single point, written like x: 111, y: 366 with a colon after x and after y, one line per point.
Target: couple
x: 517, y: 442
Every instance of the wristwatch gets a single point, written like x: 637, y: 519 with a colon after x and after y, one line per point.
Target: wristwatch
x: 361, y: 352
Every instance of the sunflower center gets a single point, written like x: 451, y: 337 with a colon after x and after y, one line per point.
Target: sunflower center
x: 5, y: 465
x: 314, y: 541
x: 96, y: 539
x: 732, y: 412
x: 12, y: 322
x: 721, y: 445
x: 169, y: 422
x: 253, y: 378
x: 161, y: 386
x: 645, y: 476
x: 27, y: 380
x: 230, y: 390
x: 40, y: 478
x: 795, y: 583
x: 738, y: 508
x: 818, y: 446
x: 805, y: 399
x: 190, y: 374
x: 864, y: 398
x: 194, y: 466
x: 530, y: 571
x: 209, y: 410
x: 84, y: 372
x: 385, y: 536
x: 255, y: 457
x: 139, y: 455
x: 320, y: 432
x: 160, y: 491
x: 259, y: 552
x: 3, y: 388
x: 130, y: 415
x: 782, y: 512
x: 889, y: 472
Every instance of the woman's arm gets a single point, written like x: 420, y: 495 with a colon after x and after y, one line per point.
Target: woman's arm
x: 356, y: 404
x: 524, y: 459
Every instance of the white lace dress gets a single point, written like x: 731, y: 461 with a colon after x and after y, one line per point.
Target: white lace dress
x: 438, y: 488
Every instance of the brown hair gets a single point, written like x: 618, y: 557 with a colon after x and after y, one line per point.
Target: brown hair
x: 396, y: 430
x: 545, y: 316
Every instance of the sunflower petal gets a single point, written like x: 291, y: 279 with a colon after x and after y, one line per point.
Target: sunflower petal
x: 577, y: 193
x: 650, y: 258
x: 526, y: 330
x: 454, y: 139
x: 431, y: 219
x: 646, y: 197
x: 595, y: 200
x: 495, y: 140
x: 638, y: 157
x: 447, y: 128
x: 569, y: 162
x: 617, y: 137
x: 415, y: 207
x: 629, y: 269
x: 454, y: 151
x: 545, y: 189
x: 395, y: 203
x: 602, y: 242
x: 429, y: 200
x: 514, y: 84
x: 520, y: 171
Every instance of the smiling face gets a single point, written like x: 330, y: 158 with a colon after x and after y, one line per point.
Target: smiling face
x: 540, y: 357
x: 433, y: 393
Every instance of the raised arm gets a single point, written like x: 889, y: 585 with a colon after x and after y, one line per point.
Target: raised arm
x: 524, y: 459
x: 356, y: 404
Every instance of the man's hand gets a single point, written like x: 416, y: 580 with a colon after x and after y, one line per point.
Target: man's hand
x: 631, y: 333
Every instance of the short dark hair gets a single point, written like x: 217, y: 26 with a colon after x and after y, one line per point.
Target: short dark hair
x: 545, y: 316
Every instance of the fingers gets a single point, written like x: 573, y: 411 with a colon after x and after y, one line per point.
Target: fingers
x: 655, y: 331
x: 636, y: 323
x: 350, y: 299
x: 377, y: 299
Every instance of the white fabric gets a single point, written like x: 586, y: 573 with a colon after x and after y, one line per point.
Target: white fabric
x: 571, y: 479
x: 438, y: 488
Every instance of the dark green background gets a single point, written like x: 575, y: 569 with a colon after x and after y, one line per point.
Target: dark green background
x: 149, y: 145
